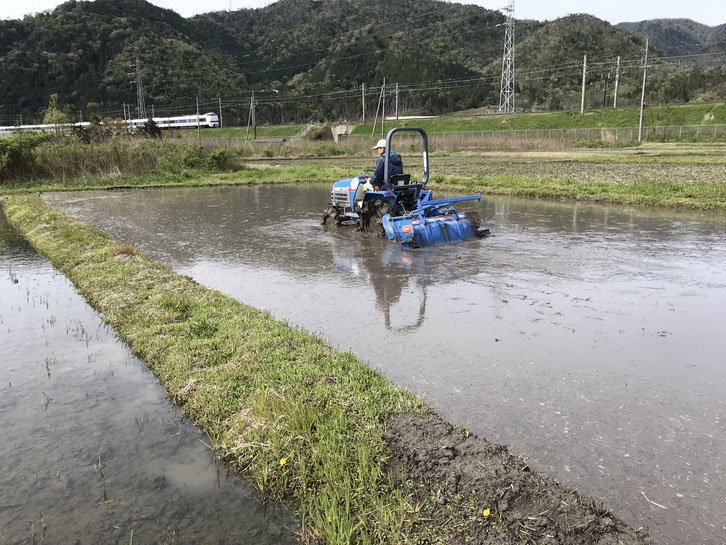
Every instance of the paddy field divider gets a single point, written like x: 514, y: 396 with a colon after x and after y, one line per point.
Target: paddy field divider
x: 303, y: 421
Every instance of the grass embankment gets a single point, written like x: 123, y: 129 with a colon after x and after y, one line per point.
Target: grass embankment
x: 35, y: 162
x: 662, y: 194
x: 189, y: 178
x: 263, y: 131
x: 693, y: 196
x: 625, y: 117
x: 303, y: 420
x: 309, y: 425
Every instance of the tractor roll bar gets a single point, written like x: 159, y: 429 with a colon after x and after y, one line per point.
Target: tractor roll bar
x: 425, y: 139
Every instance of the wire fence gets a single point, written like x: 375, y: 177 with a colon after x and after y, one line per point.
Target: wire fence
x: 610, y: 136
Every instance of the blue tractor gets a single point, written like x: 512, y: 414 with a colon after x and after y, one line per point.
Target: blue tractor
x: 401, y: 209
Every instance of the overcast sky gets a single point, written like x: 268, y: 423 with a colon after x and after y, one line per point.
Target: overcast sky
x: 710, y: 12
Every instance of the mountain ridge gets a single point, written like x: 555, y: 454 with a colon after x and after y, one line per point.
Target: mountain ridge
x: 320, y: 49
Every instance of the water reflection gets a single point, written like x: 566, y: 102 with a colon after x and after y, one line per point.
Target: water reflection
x: 91, y: 450
x: 389, y: 274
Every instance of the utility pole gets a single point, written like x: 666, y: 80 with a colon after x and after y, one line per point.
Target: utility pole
x: 251, y: 118
x: 140, y: 104
x: 642, y: 96
x: 363, y: 100
x: 199, y: 129
x: 378, y: 108
x: 506, y: 93
x: 383, y: 111
x: 397, y: 101
x: 254, y: 115
x: 617, y: 82
x: 584, y: 76
x: 220, y: 111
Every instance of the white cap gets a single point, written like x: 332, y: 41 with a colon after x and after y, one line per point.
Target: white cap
x: 380, y: 144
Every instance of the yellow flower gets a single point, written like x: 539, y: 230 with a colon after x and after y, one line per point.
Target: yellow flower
x: 486, y: 512
x: 283, y: 461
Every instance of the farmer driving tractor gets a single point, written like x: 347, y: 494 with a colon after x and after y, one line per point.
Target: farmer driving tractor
x: 395, y: 166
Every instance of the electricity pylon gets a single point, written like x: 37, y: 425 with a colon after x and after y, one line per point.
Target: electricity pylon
x: 506, y: 95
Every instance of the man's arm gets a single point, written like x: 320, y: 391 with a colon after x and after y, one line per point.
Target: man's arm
x: 377, y: 178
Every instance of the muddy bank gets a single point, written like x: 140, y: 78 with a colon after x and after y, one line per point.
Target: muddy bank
x: 485, y: 496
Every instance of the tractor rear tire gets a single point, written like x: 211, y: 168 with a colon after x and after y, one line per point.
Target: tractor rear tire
x: 372, y: 218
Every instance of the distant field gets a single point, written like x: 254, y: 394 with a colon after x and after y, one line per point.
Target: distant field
x: 626, y: 117
x: 665, y: 116
x: 277, y: 131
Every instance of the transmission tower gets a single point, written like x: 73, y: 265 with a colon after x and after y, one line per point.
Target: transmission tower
x: 140, y: 104
x: 506, y: 95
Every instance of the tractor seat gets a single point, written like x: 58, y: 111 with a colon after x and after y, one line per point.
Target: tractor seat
x: 400, y: 179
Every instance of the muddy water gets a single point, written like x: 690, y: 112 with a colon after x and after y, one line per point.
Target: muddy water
x: 588, y: 339
x: 91, y: 451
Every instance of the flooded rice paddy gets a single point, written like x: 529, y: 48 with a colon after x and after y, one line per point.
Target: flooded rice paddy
x: 91, y: 450
x: 589, y: 339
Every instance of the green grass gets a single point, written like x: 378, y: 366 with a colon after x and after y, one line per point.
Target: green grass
x: 304, y: 421
x: 264, y: 131
x: 625, y: 117
x: 655, y: 193
x: 694, y: 196
x: 686, y: 159
x: 191, y: 178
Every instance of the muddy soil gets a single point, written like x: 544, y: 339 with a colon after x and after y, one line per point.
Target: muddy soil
x: 507, y: 503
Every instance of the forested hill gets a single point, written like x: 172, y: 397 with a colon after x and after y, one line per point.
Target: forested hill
x: 680, y: 36
x: 300, y: 52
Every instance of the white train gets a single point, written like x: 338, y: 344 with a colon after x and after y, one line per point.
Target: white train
x: 5, y: 131
x: 208, y: 120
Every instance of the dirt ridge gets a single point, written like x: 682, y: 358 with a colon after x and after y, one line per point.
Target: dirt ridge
x: 506, y: 502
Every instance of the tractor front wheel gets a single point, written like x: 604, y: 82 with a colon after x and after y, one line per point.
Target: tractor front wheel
x: 331, y: 217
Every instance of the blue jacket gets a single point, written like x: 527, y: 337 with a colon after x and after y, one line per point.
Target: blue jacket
x: 395, y: 166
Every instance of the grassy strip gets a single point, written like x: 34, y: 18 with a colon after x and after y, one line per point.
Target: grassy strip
x: 624, y: 117
x: 261, y: 174
x: 694, y: 196
x: 263, y: 131
x: 303, y: 420
x: 689, y: 159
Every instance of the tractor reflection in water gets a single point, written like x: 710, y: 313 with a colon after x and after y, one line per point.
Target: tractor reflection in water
x: 403, y: 211
x: 400, y: 279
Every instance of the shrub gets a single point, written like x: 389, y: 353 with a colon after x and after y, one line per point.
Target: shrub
x: 17, y: 157
x: 190, y: 157
x: 219, y: 159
